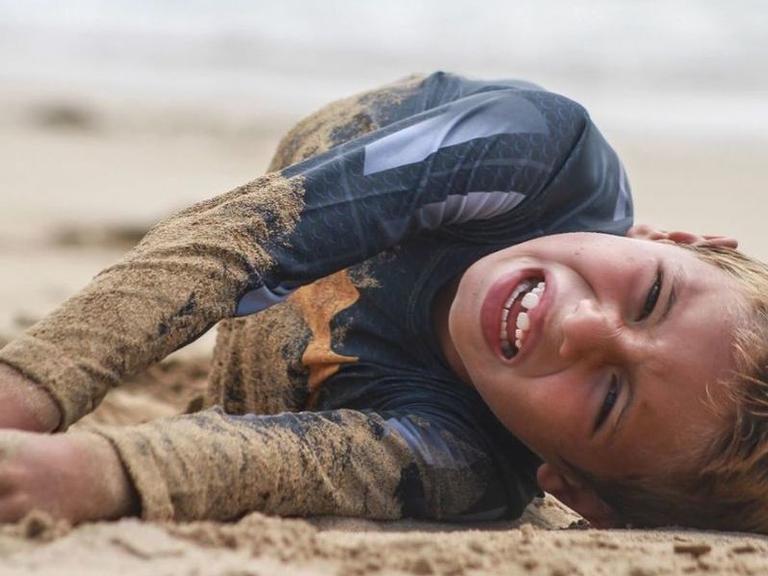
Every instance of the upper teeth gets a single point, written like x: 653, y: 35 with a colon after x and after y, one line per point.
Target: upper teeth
x: 523, y: 321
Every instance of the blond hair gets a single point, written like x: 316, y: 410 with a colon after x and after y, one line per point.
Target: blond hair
x: 726, y: 486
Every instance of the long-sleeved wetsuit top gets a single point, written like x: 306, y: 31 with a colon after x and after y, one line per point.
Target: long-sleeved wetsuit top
x: 333, y: 261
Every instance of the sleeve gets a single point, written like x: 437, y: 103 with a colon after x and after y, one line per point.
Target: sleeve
x: 471, y: 159
x: 211, y: 465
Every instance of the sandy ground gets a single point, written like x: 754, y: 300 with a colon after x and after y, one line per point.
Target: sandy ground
x: 77, y: 191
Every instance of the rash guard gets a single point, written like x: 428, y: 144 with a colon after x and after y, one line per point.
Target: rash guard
x: 333, y: 394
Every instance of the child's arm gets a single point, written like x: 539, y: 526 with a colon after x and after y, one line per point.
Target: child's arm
x: 472, y: 159
x: 211, y: 465
x: 25, y: 405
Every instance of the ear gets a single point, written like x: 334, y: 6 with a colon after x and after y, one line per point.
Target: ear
x: 582, y: 499
x: 645, y: 232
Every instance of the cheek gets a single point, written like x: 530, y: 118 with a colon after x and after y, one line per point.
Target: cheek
x: 548, y: 413
x: 465, y: 330
x: 473, y: 285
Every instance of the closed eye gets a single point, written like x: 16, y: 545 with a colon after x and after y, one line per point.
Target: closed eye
x: 653, y: 296
x: 608, y: 402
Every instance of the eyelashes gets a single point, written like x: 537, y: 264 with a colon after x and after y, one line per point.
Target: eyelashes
x: 653, y: 296
x: 609, y: 402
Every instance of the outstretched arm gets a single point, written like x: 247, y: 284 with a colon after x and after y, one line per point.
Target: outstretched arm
x: 184, y: 276
x: 211, y: 465
x: 476, y: 158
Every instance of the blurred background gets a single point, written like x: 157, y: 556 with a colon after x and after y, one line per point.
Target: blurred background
x: 114, y: 113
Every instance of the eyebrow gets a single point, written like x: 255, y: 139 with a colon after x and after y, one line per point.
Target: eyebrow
x: 671, y: 301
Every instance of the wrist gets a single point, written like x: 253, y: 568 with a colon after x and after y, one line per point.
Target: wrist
x: 24, y: 404
x: 114, y: 495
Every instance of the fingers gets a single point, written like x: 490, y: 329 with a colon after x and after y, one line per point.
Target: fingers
x: 722, y: 241
x: 645, y: 232
x: 19, y: 480
x: 704, y: 240
x: 14, y: 502
x: 14, y: 507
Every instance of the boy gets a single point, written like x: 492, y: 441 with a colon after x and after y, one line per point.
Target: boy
x: 429, y: 327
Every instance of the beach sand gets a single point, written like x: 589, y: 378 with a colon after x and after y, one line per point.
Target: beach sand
x: 79, y: 189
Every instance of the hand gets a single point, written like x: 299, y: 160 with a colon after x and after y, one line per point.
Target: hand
x: 24, y: 405
x: 76, y: 476
x: 645, y: 232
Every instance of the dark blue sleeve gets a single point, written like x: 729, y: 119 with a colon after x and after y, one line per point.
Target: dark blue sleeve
x: 486, y: 158
x: 464, y: 464
x: 461, y: 472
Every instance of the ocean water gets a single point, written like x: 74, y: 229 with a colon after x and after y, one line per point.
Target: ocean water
x: 690, y: 66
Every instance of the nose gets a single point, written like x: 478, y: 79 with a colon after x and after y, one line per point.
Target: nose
x: 591, y: 331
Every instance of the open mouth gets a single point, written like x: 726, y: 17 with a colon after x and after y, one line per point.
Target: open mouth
x: 515, y: 322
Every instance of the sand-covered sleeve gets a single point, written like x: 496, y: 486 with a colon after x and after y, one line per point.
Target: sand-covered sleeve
x: 472, y: 159
x: 184, y: 276
x: 344, y: 462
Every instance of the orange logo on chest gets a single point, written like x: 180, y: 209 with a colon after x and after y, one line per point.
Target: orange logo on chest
x: 319, y: 303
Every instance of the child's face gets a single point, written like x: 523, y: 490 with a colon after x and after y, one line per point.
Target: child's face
x: 633, y: 333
